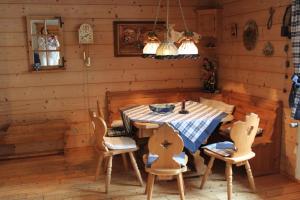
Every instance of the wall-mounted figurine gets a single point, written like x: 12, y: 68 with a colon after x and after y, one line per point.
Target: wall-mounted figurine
x: 234, y: 30
x: 268, y: 49
x: 210, y: 78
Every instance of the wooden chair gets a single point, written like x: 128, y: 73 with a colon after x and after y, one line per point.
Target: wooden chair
x: 107, y: 147
x: 115, y: 123
x: 239, y: 153
x: 165, y: 158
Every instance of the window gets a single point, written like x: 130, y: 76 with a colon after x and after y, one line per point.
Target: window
x: 45, y: 42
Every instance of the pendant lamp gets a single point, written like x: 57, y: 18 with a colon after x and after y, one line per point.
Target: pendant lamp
x: 167, y: 49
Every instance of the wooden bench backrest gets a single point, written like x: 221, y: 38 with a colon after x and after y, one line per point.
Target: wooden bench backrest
x: 117, y: 100
x: 269, y: 112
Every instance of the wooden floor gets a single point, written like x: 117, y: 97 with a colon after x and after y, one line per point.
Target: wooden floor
x: 71, y: 177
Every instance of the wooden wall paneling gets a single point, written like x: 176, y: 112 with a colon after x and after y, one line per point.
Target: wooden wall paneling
x: 72, y: 116
x: 45, y: 137
x: 41, y: 79
x: 92, y: 11
x: 243, y: 6
x: 36, y: 106
x: 260, y: 63
x: 239, y: 49
x: 46, y: 92
x: 102, y: 2
x: 13, y: 66
x: 252, y: 73
x: 28, y: 97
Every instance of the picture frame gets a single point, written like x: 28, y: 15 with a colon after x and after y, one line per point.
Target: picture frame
x: 129, y: 36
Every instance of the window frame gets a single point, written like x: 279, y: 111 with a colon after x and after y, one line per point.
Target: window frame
x: 31, y: 51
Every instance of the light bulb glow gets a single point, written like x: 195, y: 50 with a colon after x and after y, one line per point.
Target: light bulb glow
x: 167, y: 49
x: 151, y: 47
x: 187, y: 47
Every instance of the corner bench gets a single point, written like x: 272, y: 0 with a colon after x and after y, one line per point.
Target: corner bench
x: 266, y: 145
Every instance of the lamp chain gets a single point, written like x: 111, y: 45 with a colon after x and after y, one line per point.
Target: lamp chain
x: 157, y: 14
x: 183, y: 19
x: 168, y: 20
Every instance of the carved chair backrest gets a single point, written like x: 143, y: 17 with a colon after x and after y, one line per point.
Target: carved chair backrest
x: 165, y: 143
x: 99, y: 109
x: 100, y: 130
x: 243, y: 134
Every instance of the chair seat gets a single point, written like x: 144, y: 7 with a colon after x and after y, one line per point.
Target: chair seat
x: 180, y: 159
x: 225, y: 149
x: 117, y: 123
x: 116, y: 143
x: 232, y: 160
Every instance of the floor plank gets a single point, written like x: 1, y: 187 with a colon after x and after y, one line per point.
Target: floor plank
x: 71, y: 177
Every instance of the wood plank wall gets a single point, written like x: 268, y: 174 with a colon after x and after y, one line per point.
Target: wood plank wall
x: 250, y: 71
x: 30, y: 96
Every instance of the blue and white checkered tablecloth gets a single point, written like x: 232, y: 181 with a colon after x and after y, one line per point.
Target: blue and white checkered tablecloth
x: 194, y: 127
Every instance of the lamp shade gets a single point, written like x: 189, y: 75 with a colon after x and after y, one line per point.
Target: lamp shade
x: 151, y: 47
x: 188, y: 47
x: 167, y: 48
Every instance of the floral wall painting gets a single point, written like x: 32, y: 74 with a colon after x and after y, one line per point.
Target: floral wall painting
x: 129, y: 36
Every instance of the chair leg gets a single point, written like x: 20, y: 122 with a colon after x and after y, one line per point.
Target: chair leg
x: 99, y: 166
x: 136, y: 169
x: 229, y: 180
x: 105, y: 162
x: 180, y: 186
x: 150, y: 186
x: 108, y: 173
x: 250, y: 176
x: 207, y: 172
x: 124, y: 158
x: 147, y: 184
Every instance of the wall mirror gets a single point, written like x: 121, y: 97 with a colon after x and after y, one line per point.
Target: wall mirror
x: 45, y: 42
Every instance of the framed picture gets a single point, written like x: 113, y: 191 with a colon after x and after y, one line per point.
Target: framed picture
x: 129, y: 36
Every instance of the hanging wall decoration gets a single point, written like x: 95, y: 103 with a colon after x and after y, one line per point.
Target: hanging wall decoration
x: 86, y: 37
x: 129, y: 36
x: 286, y: 22
x: 270, y: 20
x: 234, y: 30
x: 268, y: 49
x: 250, y: 35
x: 210, y: 77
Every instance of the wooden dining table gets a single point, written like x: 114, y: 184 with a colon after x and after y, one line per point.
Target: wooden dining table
x: 147, y: 121
x: 194, y: 127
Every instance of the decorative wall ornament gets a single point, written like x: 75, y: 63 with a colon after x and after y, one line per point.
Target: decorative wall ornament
x: 250, y: 35
x: 268, y: 49
x: 270, y: 20
x: 85, y: 34
x: 286, y: 50
x: 129, y: 36
x: 210, y: 78
x: 86, y: 37
x: 286, y: 22
x: 234, y: 30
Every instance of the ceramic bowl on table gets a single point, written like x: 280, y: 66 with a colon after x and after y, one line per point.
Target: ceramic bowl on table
x: 162, y: 108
